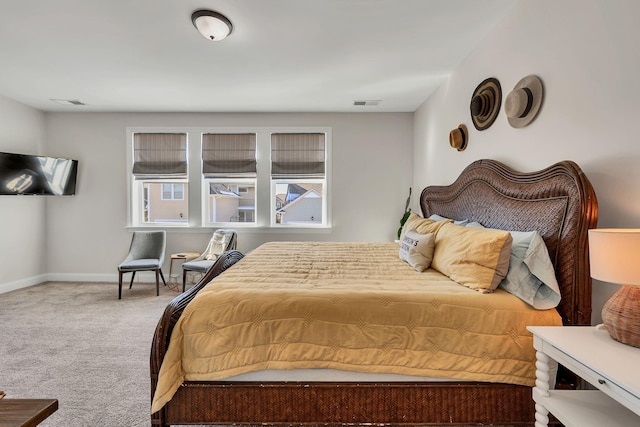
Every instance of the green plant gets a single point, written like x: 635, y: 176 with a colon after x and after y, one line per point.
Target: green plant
x: 407, y: 212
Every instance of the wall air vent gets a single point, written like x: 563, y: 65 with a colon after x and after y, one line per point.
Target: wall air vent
x: 369, y: 103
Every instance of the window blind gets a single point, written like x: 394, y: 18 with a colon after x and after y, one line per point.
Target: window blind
x: 159, y: 155
x: 228, y: 155
x: 297, y: 154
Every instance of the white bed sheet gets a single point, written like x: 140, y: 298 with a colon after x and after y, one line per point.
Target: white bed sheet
x: 336, y: 375
x: 327, y: 375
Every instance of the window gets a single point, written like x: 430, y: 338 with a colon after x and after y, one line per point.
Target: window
x: 298, y: 185
x: 172, y: 191
x: 159, y: 188
x: 229, y: 178
x: 257, y: 178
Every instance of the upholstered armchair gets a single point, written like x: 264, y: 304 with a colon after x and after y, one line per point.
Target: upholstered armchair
x: 146, y: 253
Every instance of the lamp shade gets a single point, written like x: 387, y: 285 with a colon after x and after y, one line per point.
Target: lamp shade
x: 212, y: 25
x: 614, y: 255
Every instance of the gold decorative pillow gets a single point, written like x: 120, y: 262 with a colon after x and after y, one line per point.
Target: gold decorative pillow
x: 477, y: 259
x: 417, y: 249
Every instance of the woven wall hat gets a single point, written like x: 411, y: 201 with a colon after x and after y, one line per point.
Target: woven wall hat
x: 485, y: 103
x: 524, y: 101
x: 459, y: 137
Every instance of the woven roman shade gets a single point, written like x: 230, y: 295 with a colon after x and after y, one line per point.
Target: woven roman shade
x: 159, y: 155
x: 297, y: 155
x: 228, y: 155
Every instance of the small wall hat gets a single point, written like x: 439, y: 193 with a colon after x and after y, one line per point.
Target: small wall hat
x: 523, y: 102
x: 485, y: 103
x: 459, y: 137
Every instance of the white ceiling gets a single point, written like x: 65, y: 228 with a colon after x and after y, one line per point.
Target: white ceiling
x: 283, y: 55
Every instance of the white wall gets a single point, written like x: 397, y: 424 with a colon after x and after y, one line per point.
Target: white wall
x: 371, y: 173
x: 22, y: 218
x: 586, y: 52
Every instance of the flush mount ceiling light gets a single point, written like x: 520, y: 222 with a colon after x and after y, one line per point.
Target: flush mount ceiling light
x: 212, y: 25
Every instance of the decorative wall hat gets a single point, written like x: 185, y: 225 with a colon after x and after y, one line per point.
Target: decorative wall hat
x: 459, y: 137
x: 485, y: 103
x: 524, y: 101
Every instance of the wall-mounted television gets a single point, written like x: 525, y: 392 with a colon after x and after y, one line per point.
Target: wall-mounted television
x: 28, y: 174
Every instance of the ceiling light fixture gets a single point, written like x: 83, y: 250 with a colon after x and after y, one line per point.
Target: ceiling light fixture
x: 212, y: 25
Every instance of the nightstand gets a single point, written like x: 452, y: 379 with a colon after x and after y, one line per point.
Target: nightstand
x: 609, y: 366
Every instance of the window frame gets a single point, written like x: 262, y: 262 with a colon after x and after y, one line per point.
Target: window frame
x: 195, y: 180
x: 137, y: 203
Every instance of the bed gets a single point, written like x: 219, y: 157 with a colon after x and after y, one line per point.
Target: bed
x: 558, y: 202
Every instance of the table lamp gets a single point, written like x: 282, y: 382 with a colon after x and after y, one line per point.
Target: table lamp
x: 614, y: 256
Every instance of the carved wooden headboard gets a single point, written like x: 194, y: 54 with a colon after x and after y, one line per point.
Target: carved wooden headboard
x: 559, y: 202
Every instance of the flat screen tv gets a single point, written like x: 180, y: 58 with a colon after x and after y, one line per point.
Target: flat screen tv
x: 27, y: 174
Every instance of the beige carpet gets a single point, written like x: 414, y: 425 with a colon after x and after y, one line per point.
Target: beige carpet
x: 76, y: 342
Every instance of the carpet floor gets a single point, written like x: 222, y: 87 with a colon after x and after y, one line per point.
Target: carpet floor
x: 76, y: 342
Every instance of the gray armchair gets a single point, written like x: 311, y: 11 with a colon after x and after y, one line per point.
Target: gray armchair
x: 223, y: 240
x: 146, y: 253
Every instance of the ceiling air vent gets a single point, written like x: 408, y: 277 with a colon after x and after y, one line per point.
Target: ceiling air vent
x: 68, y: 101
x: 370, y: 103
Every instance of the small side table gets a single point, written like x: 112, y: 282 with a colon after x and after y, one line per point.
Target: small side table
x: 609, y: 366
x: 25, y: 412
x: 175, y: 282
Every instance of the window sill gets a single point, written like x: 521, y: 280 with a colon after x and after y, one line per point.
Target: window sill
x: 239, y: 230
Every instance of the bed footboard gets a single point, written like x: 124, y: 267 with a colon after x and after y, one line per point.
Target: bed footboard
x: 350, y: 404
x: 173, y: 312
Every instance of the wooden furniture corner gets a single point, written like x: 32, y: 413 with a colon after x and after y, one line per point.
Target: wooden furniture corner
x: 25, y: 412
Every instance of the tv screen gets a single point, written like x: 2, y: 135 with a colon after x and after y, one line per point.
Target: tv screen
x: 26, y: 174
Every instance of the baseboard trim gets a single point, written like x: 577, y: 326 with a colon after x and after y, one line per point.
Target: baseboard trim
x: 78, y: 277
x: 22, y: 283
x: 142, y: 276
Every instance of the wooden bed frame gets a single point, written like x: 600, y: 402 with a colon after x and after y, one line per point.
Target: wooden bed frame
x: 558, y: 201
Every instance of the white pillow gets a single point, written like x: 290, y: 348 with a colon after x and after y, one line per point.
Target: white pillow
x: 437, y: 217
x: 417, y: 249
x: 531, y: 276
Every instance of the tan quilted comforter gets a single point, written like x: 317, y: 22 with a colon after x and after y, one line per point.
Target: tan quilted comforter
x: 349, y: 306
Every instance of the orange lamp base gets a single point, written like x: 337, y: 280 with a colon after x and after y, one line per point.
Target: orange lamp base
x: 621, y: 315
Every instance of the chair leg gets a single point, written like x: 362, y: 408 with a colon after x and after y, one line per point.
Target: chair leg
x: 157, y: 282
x: 132, y: 276
x: 119, y: 284
x: 162, y: 275
x: 184, y: 279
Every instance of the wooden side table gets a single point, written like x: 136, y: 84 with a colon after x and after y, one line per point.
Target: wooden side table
x: 25, y: 412
x: 175, y: 279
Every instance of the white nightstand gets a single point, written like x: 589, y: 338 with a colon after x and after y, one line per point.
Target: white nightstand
x: 606, y: 364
